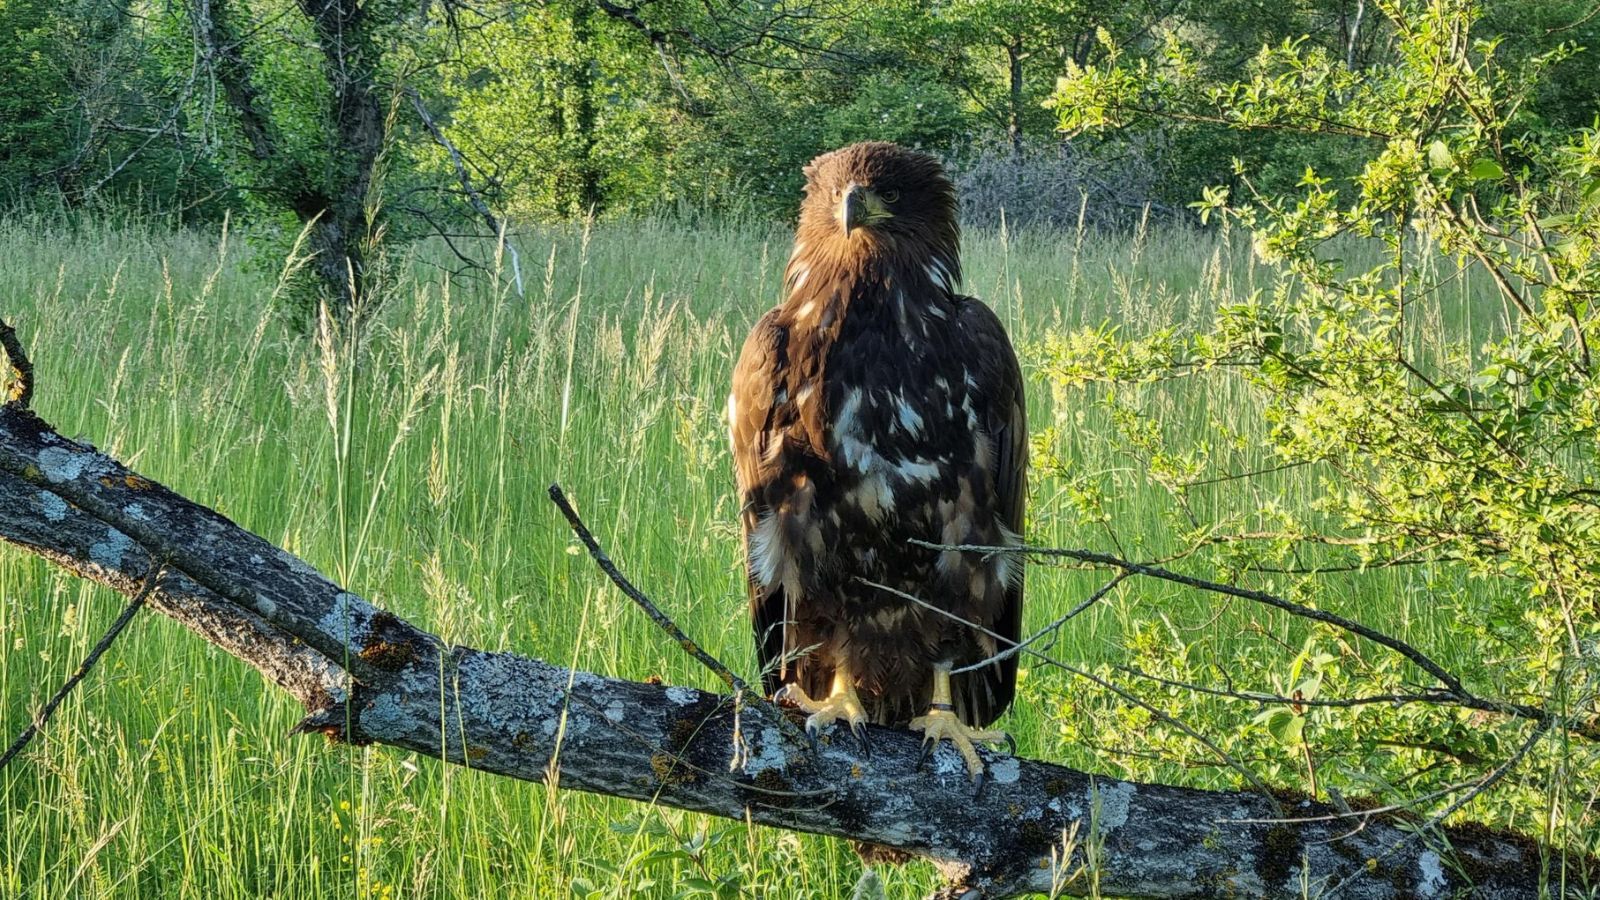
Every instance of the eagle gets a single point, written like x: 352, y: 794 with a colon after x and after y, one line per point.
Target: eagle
x: 872, y: 408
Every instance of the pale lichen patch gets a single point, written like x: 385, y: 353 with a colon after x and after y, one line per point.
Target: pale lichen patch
x: 136, y: 512
x: 681, y: 695
x: 1432, y: 881
x: 947, y: 760
x: 298, y: 565
x: 55, y: 508
x: 767, y: 752
x: 896, y: 832
x: 1113, y: 804
x: 63, y: 464
x: 386, y: 715
x: 108, y: 553
x: 1005, y: 771
x: 348, y: 616
x: 615, y: 711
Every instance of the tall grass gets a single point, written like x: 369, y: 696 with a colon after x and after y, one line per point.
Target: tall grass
x: 411, y: 464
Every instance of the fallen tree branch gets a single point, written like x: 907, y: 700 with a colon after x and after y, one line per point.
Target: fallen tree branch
x: 366, y: 676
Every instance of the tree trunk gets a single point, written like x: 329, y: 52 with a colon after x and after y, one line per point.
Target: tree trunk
x: 586, y: 197
x: 1014, y: 113
x: 365, y: 675
x: 336, y: 203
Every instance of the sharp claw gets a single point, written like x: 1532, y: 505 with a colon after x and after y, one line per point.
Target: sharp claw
x: 1011, y: 745
x: 978, y: 784
x: 858, y: 730
x: 922, y: 758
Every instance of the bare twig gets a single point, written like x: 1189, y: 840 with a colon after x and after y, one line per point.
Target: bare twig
x: 1458, y: 693
x: 1484, y: 784
x: 1436, y: 698
x: 1052, y: 628
x: 1136, y: 700
x: 474, y: 197
x: 104, y: 644
x: 637, y: 596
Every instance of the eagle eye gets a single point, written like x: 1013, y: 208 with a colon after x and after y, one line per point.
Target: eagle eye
x: 891, y: 196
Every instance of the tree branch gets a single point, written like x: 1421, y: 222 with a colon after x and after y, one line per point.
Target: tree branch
x: 1452, y: 690
x: 99, y: 649
x: 464, y: 176
x: 675, y: 746
x: 20, y: 391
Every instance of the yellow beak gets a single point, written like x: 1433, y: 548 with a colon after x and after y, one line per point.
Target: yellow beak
x: 860, y: 207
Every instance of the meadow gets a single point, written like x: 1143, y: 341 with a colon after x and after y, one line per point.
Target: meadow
x: 411, y: 465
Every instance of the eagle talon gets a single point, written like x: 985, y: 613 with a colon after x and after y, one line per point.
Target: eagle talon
x: 841, y: 705
x: 942, y: 724
x: 858, y: 730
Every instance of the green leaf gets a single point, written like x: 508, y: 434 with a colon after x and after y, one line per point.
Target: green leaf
x: 1439, y: 158
x: 1485, y: 169
x: 1284, y: 726
x: 660, y: 857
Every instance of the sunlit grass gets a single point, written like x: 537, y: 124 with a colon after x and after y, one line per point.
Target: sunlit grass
x: 411, y: 466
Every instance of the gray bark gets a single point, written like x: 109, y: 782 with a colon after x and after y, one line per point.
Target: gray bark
x: 366, y: 676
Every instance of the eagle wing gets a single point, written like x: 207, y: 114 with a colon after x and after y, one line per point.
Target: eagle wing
x: 752, y: 429
x: 997, y: 395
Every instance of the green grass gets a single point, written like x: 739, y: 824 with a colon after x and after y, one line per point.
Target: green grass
x: 412, y: 468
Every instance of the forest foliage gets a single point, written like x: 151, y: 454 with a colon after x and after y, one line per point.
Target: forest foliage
x: 563, y: 108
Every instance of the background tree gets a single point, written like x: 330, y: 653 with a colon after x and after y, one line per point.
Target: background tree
x: 300, y: 112
x: 1473, y: 455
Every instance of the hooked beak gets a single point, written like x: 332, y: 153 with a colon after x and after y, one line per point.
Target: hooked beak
x: 860, y: 207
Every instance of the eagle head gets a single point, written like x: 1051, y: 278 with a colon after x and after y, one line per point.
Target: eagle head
x: 878, y: 201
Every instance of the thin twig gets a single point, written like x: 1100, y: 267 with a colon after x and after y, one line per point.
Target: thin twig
x: 1452, y: 684
x: 1422, y: 660
x: 20, y: 392
x: 1241, y: 768
x: 1435, y: 698
x: 100, y: 648
x: 1052, y: 628
x: 473, y: 195
x: 1484, y: 784
x: 645, y: 603
x: 1346, y: 814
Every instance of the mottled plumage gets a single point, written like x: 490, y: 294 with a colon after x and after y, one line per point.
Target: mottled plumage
x: 874, y: 405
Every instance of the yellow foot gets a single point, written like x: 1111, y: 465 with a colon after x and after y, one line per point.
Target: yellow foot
x: 841, y: 704
x: 943, y: 725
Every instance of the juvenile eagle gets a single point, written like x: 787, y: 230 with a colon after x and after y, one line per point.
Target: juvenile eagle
x: 875, y: 405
